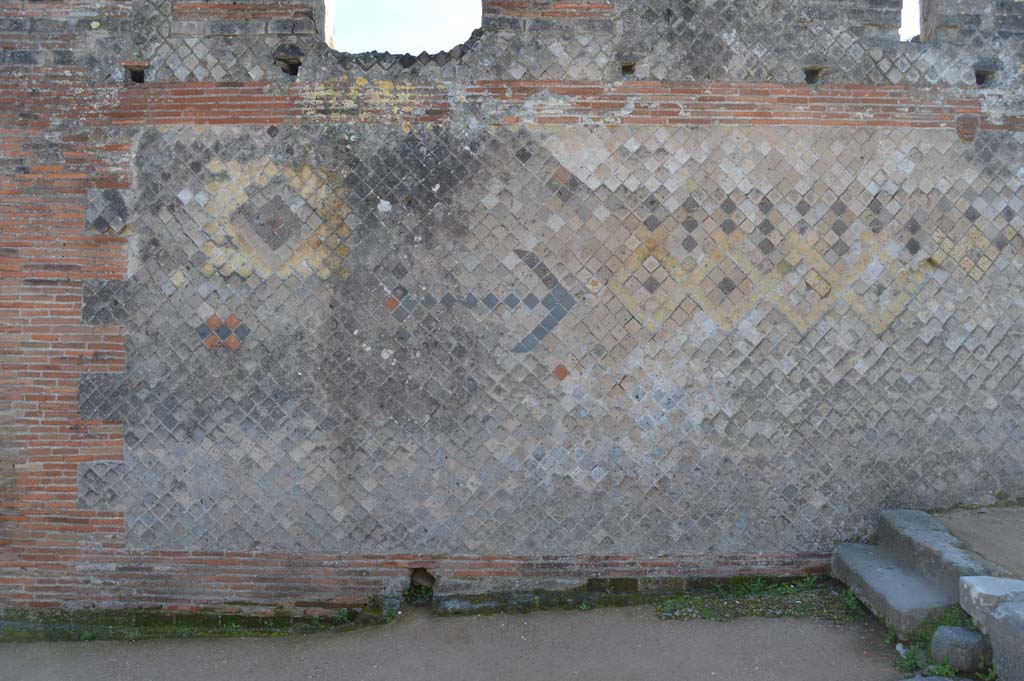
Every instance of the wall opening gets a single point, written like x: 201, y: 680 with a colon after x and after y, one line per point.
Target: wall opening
x: 613, y: 584
x: 421, y: 587
x: 135, y: 72
x: 814, y: 74
x: 400, y: 26
x: 289, y: 57
x: 910, y: 20
x: 985, y: 73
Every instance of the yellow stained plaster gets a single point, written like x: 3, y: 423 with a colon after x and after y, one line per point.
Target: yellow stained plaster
x: 803, y: 285
x: 360, y: 99
x: 234, y: 248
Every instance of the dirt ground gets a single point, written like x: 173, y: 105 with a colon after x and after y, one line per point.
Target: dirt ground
x: 614, y: 644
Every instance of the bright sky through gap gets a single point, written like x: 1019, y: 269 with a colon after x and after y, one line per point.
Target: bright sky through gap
x: 403, y: 26
x: 414, y: 26
x: 911, y: 24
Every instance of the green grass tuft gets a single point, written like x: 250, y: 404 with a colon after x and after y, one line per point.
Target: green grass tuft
x: 416, y: 594
x: 952, y: 616
x: 134, y: 625
x: 759, y: 597
x: 917, y: 657
x: 987, y: 674
x: 913, y: 660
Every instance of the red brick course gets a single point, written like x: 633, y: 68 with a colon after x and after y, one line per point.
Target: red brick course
x: 657, y: 103
x: 559, y: 10
x: 48, y: 162
x: 235, y: 11
x: 81, y: 565
x: 518, y: 102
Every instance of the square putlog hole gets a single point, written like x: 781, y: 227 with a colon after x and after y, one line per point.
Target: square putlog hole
x: 984, y: 77
x: 135, y: 72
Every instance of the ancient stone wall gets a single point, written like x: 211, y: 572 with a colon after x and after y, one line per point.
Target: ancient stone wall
x: 650, y: 288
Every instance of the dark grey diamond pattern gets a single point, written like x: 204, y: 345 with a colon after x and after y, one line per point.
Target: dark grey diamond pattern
x: 274, y: 221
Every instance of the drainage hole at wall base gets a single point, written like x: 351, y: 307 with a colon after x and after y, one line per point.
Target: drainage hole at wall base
x: 613, y: 585
x: 814, y: 74
x: 421, y: 587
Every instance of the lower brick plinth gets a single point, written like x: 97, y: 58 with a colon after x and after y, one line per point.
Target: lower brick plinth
x: 232, y: 581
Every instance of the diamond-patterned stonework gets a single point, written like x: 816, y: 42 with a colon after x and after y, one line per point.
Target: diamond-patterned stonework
x: 743, y: 338
x: 228, y: 333
x: 270, y: 220
x: 273, y: 221
x: 106, y: 210
x: 671, y: 40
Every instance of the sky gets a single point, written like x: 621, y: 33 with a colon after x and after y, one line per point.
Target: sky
x: 414, y: 26
x: 403, y: 26
x: 911, y: 19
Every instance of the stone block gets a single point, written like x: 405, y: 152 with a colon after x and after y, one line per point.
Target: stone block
x: 292, y: 26
x: 979, y: 596
x: 963, y: 649
x: 1007, y: 632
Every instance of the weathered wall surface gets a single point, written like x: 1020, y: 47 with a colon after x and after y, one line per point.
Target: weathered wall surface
x: 609, y: 290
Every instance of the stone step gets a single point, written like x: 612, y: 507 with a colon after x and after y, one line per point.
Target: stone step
x: 923, y: 544
x: 980, y: 596
x: 900, y: 597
